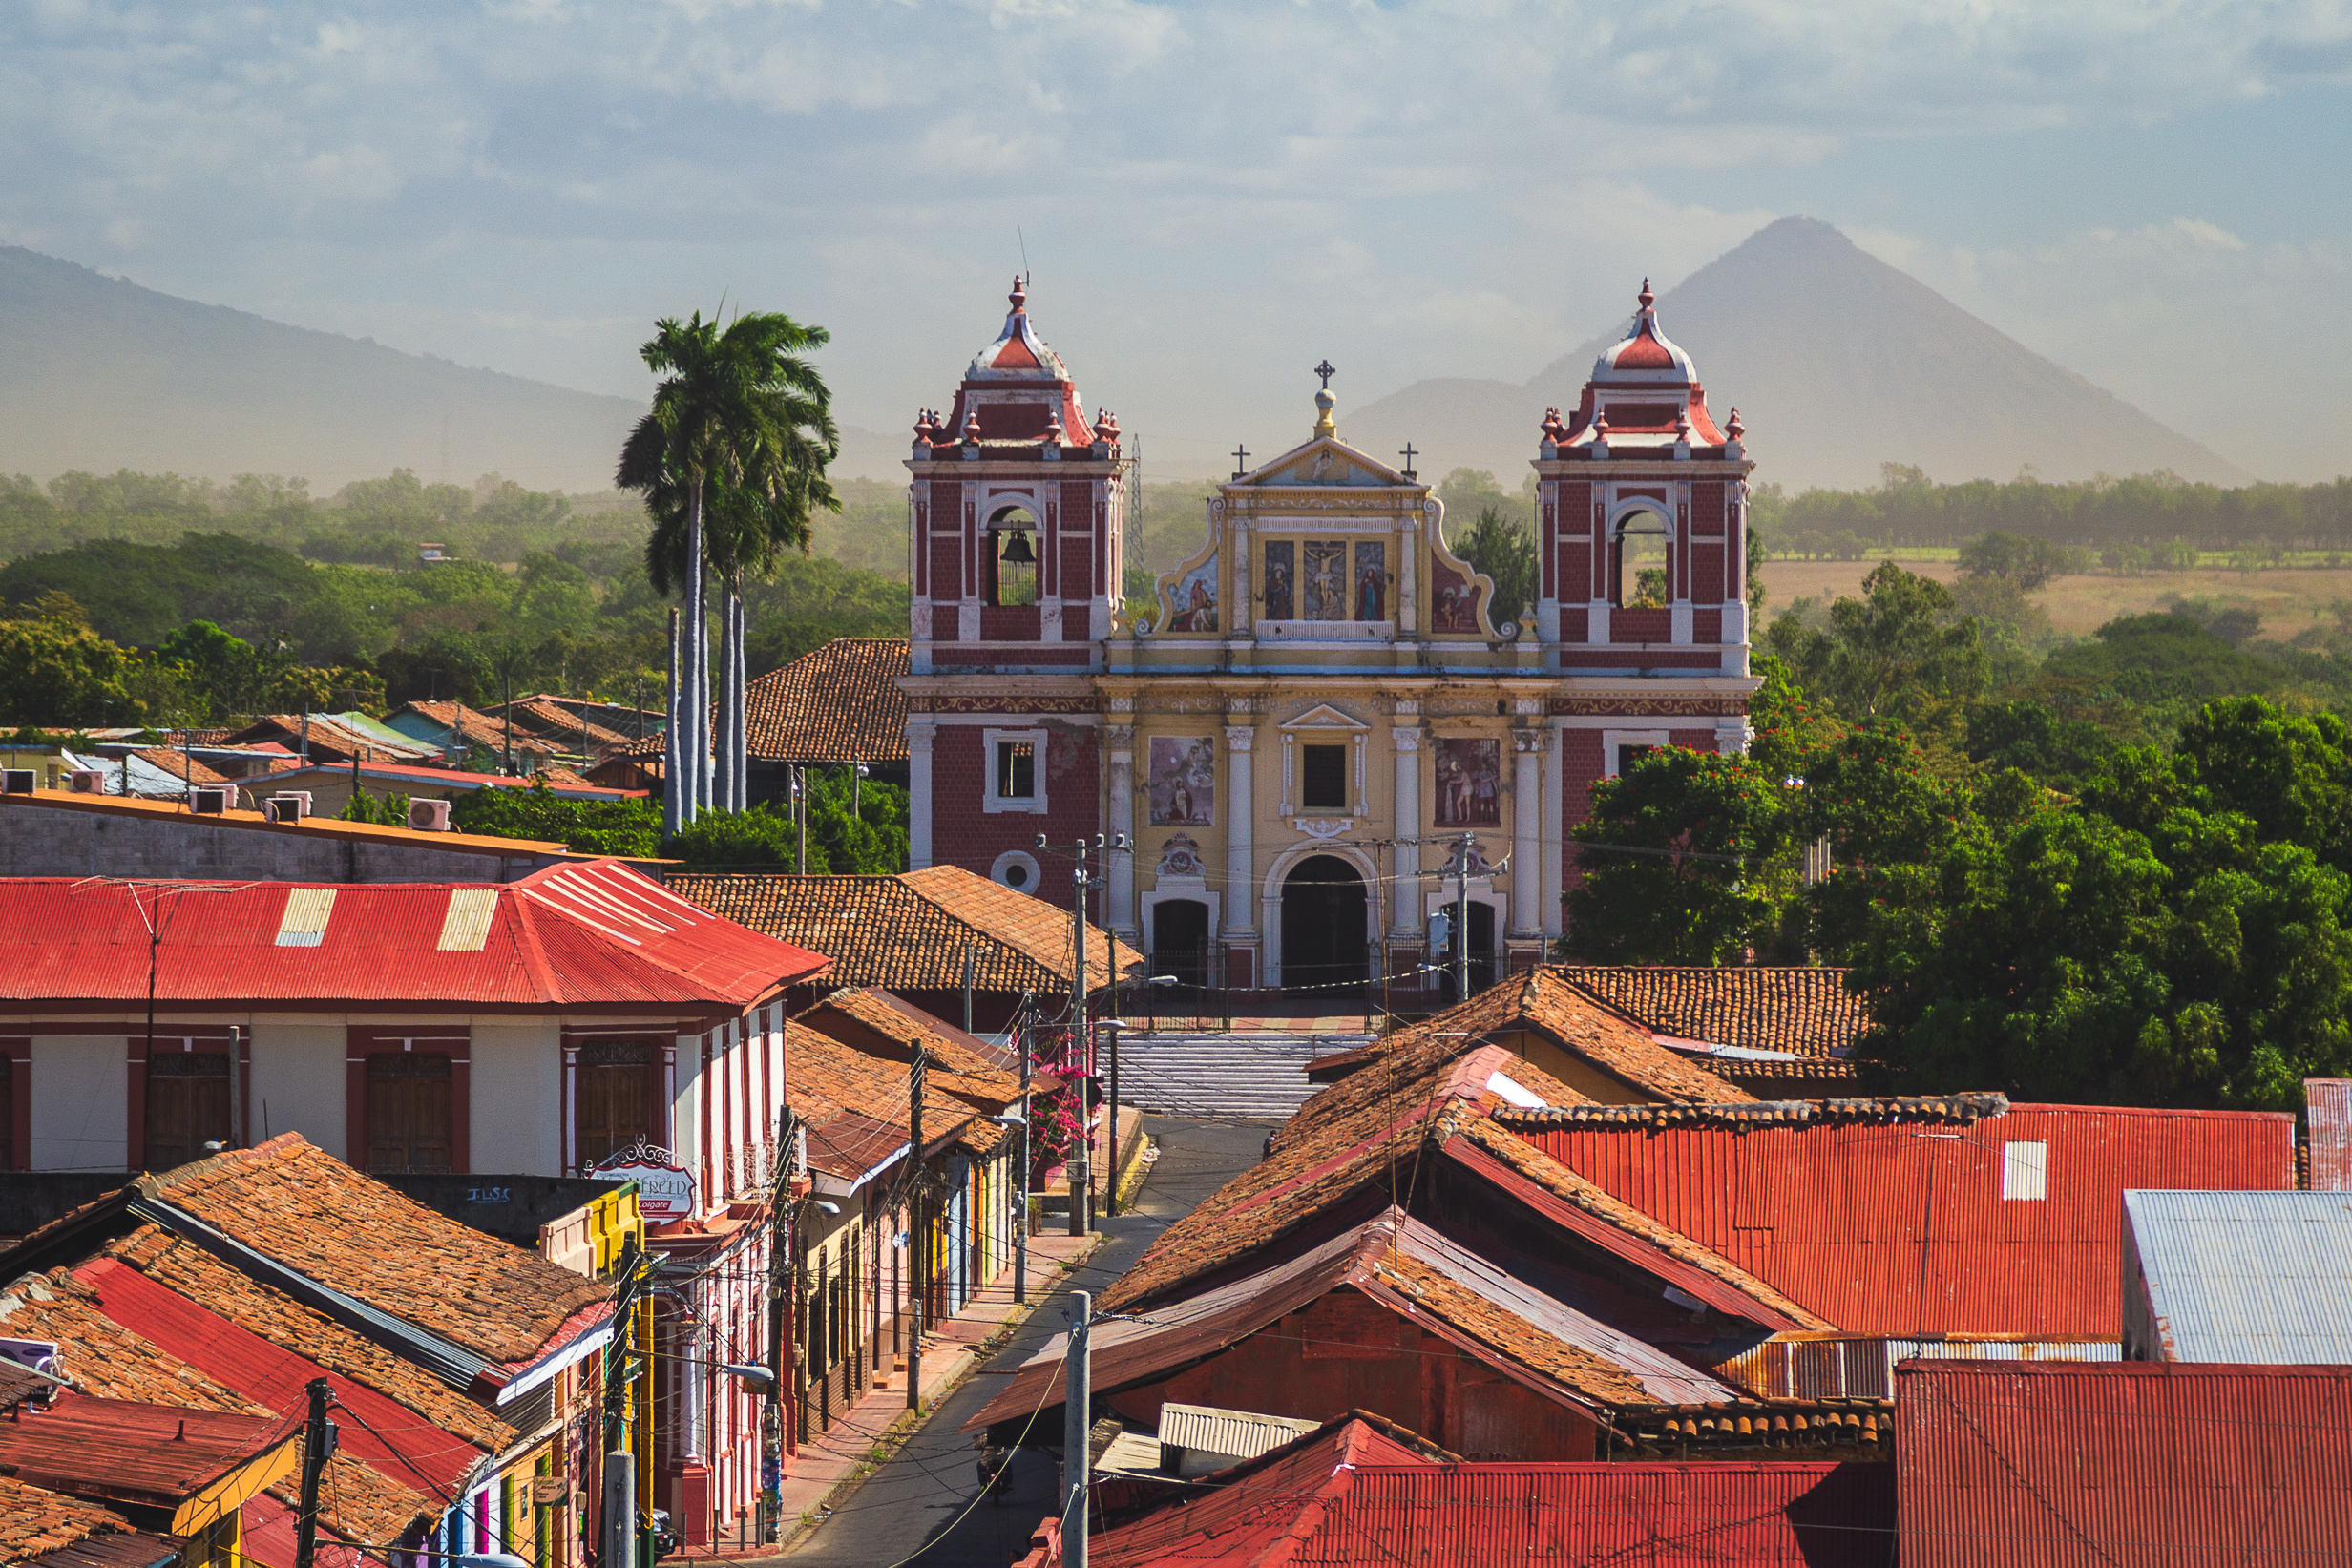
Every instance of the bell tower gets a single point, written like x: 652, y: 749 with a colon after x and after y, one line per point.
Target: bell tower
x: 1017, y: 505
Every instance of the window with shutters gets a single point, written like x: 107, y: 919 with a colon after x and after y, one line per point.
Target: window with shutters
x: 187, y: 1106
x: 613, y: 1099
x: 409, y: 1111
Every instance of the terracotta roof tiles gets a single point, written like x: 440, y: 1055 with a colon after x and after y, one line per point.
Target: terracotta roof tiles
x: 308, y: 1210
x: 35, y: 1521
x: 1805, y: 1010
x: 196, y: 1274
x: 909, y: 932
x: 838, y: 703
x: 962, y: 1063
x: 1542, y: 1001
x: 825, y: 1076
x: 476, y: 729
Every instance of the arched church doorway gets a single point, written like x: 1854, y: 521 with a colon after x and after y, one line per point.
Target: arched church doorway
x: 1323, y: 921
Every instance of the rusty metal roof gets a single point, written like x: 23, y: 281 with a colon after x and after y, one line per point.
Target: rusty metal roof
x: 1926, y: 1218
x: 45, y: 1527
x: 2264, y: 1278
x: 2054, y: 1465
x: 151, y: 1455
x: 596, y: 933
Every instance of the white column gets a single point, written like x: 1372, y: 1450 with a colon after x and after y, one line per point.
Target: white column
x: 1122, y: 871
x: 1240, y: 812
x: 1406, y: 922
x: 920, y: 733
x: 1527, y: 833
x: 1549, y: 836
x: 1243, y: 579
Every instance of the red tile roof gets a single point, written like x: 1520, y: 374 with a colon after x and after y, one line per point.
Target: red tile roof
x: 871, y: 1019
x: 909, y: 932
x: 268, y: 1347
x: 838, y: 703
x: 293, y: 1203
x: 1412, y: 1271
x: 2038, y: 1464
x: 1542, y: 1004
x: 474, y: 728
x: 1907, y: 1216
x: 1805, y: 1010
x: 325, y: 740
x: 560, y: 728
x: 126, y: 1451
x: 822, y: 1077
x: 35, y: 1523
x: 596, y: 933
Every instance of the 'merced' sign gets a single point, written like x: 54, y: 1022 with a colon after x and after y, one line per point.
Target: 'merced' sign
x: 664, y: 1191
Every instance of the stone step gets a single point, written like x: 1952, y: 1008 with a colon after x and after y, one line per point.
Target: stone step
x: 1241, y: 1076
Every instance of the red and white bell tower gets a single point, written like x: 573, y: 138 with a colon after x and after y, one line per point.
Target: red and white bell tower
x: 1016, y: 508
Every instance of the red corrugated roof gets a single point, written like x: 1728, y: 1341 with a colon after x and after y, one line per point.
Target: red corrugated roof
x: 2036, y: 1464
x: 152, y: 1455
x: 1893, y: 1221
x: 390, y: 1437
x: 594, y: 933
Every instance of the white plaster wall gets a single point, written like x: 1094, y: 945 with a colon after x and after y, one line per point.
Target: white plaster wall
x: 82, y: 1084
x: 299, y: 1080
x: 517, y: 1099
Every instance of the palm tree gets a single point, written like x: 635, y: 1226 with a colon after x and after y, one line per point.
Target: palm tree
x: 741, y: 416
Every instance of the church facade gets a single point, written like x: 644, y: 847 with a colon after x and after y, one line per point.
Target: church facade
x: 1320, y: 735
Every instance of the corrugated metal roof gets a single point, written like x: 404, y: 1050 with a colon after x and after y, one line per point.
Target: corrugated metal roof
x: 2329, y: 1115
x: 2262, y: 1278
x: 1896, y: 1224
x: 2053, y: 1464
x: 593, y: 933
x: 153, y: 1455
x: 1236, y: 1434
x: 1674, y: 1515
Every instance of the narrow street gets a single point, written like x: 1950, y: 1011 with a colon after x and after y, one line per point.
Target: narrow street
x: 914, y: 1508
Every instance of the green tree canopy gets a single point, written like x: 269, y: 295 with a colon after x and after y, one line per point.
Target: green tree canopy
x: 1678, y: 861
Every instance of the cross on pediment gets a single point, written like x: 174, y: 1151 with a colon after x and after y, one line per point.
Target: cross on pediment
x: 1409, y: 455
x: 1241, y: 461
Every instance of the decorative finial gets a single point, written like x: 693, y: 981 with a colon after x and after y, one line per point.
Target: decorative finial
x: 1053, y: 428
x: 1326, y: 371
x: 972, y: 426
x: 1647, y: 298
x: 1682, y: 425
x: 922, y: 424
x: 1021, y: 293
x: 1553, y: 429
x: 1734, y: 430
x: 1600, y: 424
x: 1103, y: 429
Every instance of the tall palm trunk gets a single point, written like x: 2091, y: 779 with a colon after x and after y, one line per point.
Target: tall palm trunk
x: 695, y: 711
x: 722, y: 792
x: 673, y: 797
x: 740, y: 751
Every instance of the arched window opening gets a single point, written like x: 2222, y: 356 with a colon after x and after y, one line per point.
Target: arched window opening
x: 1011, y: 560
x: 1641, y: 557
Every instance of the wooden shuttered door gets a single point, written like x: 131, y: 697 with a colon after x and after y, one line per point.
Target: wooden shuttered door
x: 409, y: 1111
x: 614, y: 1098
x: 187, y: 1106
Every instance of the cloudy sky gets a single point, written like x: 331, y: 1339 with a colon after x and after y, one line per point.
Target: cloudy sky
x: 1212, y: 196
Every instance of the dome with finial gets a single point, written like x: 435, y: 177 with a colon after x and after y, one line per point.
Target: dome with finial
x: 1018, y: 353
x: 1645, y: 355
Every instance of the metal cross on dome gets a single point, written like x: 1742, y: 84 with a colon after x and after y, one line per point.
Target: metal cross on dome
x: 1326, y: 371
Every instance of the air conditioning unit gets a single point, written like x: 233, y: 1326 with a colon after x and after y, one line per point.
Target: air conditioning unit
x: 286, y: 808
x: 429, y: 816
x: 208, y: 800
x: 86, y: 780
x: 17, y: 780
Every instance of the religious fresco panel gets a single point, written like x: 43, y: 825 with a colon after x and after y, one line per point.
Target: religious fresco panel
x: 1469, y: 783
x: 1281, y: 581
x: 1182, y: 784
x: 1371, y: 580
x: 1325, y: 581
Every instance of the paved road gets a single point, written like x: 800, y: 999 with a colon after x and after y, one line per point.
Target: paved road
x: 914, y: 1507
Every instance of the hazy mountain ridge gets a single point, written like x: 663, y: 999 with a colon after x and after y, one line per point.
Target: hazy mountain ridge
x: 1838, y: 362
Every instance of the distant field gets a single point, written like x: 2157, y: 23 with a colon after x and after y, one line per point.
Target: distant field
x: 2289, y: 599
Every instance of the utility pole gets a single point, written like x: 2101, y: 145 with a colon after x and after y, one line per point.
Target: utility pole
x: 1110, y: 1046
x: 619, y: 1549
x: 1077, y: 1428
x: 318, y: 1445
x: 968, y: 979
x: 1020, y: 1230
x: 1462, y: 921
x: 917, y: 1232
x: 800, y: 815
x: 780, y: 1261
x: 1082, y: 1165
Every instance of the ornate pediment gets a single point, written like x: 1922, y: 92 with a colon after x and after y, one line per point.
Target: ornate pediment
x: 1323, y: 716
x: 1326, y: 460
